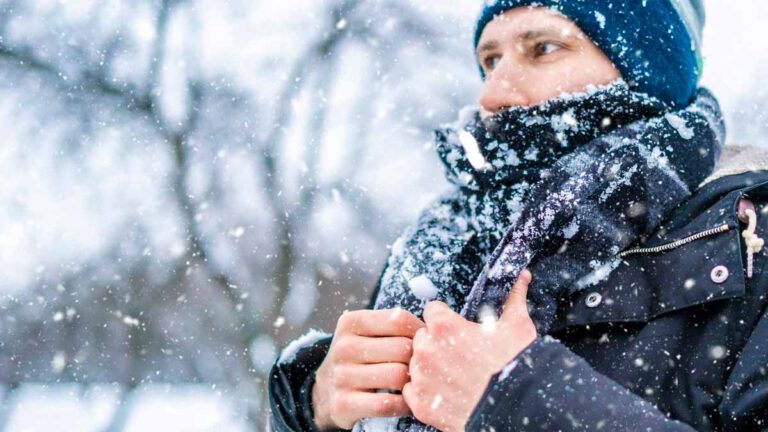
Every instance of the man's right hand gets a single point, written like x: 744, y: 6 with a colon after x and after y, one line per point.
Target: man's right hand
x: 371, y: 350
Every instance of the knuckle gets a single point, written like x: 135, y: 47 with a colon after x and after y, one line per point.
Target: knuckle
x: 341, y: 376
x: 441, y: 325
x: 345, y: 348
x: 418, y: 343
x: 422, y: 365
x: 427, y: 356
x: 424, y: 352
x: 339, y: 404
x: 399, y: 318
x: 384, y: 406
x: 432, y: 308
x: 406, y: 347
x: 344, y: 323
x: 414, y: 378
x: 352, y: 320
x: 399, y: 373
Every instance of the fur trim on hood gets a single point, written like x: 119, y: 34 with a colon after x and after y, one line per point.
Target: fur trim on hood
x: 738, y: 159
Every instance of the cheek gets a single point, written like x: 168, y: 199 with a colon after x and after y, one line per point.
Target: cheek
x: 551, y: 82
x: 591, y: 68
x: 574, y: 76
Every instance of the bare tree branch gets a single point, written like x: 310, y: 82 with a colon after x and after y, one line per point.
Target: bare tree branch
x: 218, y: 319
x: 89, y: 83
x: 319, y: 56
x: 272, y: 143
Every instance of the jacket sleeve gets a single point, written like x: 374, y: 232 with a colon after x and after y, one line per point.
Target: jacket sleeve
x: 548, y: 387
x: 290, y: 389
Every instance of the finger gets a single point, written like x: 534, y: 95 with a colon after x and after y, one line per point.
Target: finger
x: 436, y: 309
x: 365, y: 404
x: 386, y: 322
x: 409, y: 395
x: 517, y: 300
x: 389, y: 376
x: 424, y: 347
x: 368, y: 350
x: 419, y: 339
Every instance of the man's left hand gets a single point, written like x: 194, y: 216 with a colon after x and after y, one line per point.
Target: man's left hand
x: 454, y: 359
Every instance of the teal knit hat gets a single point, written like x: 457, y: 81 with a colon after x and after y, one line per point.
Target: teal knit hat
x: 655, y: 44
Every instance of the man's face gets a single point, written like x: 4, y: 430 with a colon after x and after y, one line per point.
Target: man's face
x: 531, y: 54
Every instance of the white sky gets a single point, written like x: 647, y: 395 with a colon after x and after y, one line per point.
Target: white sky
x: 736, y: 54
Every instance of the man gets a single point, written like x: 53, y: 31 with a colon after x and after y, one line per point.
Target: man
x: 586, y: 164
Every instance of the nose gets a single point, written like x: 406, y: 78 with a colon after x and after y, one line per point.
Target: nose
x: 503, y: 88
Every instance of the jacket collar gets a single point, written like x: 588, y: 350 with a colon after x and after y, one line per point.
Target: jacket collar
x: 646, y: 285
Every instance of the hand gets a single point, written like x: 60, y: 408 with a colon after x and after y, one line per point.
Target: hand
x: 371, y: 350
x: 454, y: 359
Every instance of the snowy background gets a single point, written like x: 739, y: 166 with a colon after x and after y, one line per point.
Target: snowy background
x: 189, y: 184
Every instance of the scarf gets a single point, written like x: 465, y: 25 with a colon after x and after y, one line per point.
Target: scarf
x: 560, y: 188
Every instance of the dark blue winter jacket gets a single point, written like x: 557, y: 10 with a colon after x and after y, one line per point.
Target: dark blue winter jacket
x: 675, y: 339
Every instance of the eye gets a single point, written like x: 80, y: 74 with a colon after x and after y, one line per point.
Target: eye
x: 491, y: 61
x: 544, y: 48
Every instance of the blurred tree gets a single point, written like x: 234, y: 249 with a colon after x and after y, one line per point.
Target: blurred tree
x: 241, y: 169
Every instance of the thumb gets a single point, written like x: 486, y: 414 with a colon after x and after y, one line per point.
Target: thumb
x: 516, y: 301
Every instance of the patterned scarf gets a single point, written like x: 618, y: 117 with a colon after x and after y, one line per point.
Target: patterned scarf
x: 560, y: 188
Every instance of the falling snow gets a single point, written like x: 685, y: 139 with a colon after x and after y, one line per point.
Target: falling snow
x: 177, y: 220
x: 423, y: 288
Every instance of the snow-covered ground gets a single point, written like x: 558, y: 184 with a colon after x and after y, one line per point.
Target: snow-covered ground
x: 167, y: 408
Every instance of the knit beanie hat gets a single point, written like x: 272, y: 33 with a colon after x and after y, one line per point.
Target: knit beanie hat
x: 655, y: 44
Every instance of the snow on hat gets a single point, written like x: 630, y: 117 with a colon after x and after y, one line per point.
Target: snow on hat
x: 655, y: 44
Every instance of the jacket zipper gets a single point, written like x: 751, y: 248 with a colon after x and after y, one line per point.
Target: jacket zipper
x: 677, y: 243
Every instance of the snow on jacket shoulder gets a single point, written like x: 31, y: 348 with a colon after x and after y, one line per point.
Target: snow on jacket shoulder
x: 674, y: 339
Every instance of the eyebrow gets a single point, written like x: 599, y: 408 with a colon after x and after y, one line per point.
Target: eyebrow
x: 524, y: 36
